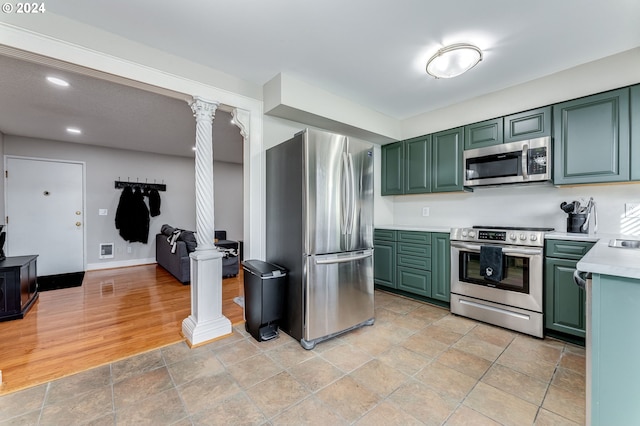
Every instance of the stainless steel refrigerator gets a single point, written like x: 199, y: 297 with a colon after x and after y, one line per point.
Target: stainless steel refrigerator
x: 319, y: 226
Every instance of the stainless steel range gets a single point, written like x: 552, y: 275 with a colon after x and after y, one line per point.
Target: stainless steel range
x: 496, y: 276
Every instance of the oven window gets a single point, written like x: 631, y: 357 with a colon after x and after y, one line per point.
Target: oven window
x: 515, y: 273
x: 494, y: 166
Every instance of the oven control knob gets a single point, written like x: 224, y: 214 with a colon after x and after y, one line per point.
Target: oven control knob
x: 523, y: 237
x: 464, y: 234
x: 512, y: 236
x: 533, y: 237
x: 472, y: 234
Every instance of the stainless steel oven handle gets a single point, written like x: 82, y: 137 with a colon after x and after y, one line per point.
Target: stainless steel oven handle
x: 505, y: 250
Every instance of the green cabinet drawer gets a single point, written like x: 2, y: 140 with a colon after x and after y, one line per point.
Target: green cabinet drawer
x: 384, y: 234
x: 414, y: 281
x: 527, y: 125
x: 485, y: 133
x: 573, y: 250
x: 415, y: 237
x: 418, y: 250
x: 416, y: 262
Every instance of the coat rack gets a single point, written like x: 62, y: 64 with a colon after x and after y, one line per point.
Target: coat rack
x: 142, y: 185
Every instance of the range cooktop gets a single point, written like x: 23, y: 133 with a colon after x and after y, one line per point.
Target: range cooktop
x: 516, y: 228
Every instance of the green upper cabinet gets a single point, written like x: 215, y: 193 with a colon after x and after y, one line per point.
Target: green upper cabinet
x: 591, y: 139
x: 635, y: 132
x: 447, y: 167
x: 392, y: 173
x: 527, y: 125
x: 485, y: 133
x: 417, y: 172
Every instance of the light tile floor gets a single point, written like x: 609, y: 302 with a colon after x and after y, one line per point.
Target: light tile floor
x: 418, y: 364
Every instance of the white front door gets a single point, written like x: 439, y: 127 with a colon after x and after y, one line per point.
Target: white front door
x: 45, y: 213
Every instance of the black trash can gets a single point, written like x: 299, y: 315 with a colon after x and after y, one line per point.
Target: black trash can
x: 264, y: 287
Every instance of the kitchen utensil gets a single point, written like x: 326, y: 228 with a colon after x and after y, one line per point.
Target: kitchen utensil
x: 576, y: 207
x: 566, y: 207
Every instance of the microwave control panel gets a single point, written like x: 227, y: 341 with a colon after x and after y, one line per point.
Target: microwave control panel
x: 537, y: 159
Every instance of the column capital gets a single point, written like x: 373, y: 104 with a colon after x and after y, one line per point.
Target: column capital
x: 203, y: 109
x: 241, y: 119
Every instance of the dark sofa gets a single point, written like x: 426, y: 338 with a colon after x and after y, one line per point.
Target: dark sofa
x: 175, y: 257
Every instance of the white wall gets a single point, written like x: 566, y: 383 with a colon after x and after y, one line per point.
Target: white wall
x: 103, y: 166
x: 227, y: 198
x: 528, y: 205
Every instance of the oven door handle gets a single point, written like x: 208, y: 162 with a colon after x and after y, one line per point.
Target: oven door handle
x: 505, y: 250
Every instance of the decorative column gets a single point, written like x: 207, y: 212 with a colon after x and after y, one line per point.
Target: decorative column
x: 206, y: 321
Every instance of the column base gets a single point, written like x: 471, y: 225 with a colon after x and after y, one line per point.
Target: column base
x: 200, y: 333
x: 206, y: 321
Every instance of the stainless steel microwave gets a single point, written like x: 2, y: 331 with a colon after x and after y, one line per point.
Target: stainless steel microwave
x: 513, y: 162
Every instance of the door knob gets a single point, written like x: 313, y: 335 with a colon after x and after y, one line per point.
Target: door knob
x: 78, y: 223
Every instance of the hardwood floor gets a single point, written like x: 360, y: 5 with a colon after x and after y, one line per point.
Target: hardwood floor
x: 116, y: 313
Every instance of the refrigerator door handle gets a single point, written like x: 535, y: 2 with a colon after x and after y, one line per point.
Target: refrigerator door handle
x: 344, y: 209
x: 352, y: 195
x: 343, y: 259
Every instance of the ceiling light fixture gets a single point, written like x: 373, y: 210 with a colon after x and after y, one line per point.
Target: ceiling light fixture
x: 58, y: 81
x: 74, y: 130
x: 453, y: 60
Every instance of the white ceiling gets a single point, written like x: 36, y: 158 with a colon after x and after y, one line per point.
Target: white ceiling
x: 109, y: 114
x: 372, y: 52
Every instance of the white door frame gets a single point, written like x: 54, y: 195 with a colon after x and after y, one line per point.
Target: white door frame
x: 84, y: 198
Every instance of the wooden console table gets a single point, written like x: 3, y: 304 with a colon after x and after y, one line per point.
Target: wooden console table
x: 18, y: 286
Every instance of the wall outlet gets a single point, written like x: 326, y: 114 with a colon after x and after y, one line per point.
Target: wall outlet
x: 632, y: 210
x: 128, y: 249
x: 425, y: 211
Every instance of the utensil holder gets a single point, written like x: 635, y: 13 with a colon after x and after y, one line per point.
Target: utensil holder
x: 575, y: 221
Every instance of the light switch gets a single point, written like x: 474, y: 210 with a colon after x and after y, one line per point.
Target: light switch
x: 102, y: 212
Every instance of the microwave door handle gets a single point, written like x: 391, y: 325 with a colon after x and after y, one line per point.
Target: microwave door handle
x: 525, y: 161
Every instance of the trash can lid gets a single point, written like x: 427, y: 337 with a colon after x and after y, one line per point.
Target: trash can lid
x: 263, y: 269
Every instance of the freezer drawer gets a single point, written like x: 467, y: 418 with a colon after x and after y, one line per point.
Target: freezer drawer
x: 339, y: 289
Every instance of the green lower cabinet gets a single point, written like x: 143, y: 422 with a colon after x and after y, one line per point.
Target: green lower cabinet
x: 564, y: 304
x: 416, y: 281
x: 384, y: 263
x: 440, y: 266
x: 413, y: 262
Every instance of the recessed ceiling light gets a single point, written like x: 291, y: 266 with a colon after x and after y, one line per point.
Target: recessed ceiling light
x: 74, y: 130
x: 58, y: 81
x: 453, y: 60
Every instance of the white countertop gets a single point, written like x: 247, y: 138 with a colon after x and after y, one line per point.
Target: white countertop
x: 445, y: 229
x: 602, y: 259
x: 572, y: 237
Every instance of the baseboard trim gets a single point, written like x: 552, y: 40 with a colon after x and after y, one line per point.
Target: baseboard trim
x: 120, y: 264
